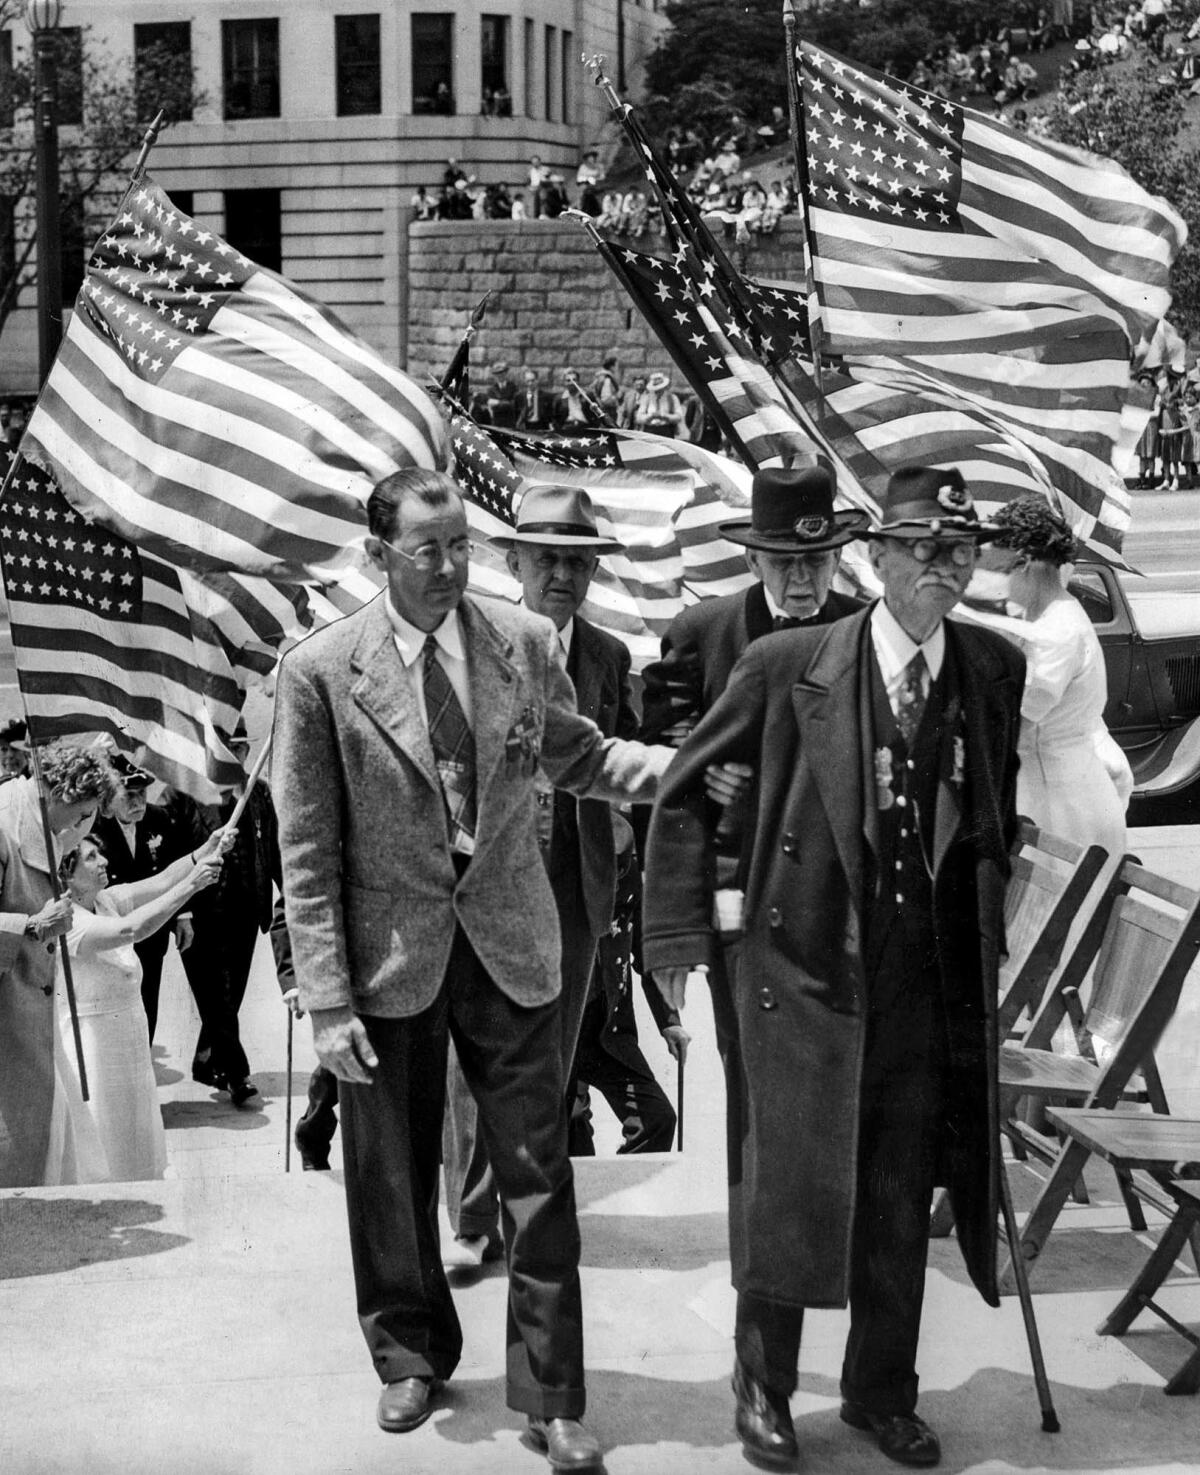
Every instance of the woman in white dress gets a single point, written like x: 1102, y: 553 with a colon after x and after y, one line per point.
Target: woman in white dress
x: 107, y: 975
x: 1074, y: 780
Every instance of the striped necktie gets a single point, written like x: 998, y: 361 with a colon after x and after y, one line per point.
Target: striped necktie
x: 453, y: 745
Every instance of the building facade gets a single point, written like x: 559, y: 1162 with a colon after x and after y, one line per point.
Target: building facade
x: 320, y: 118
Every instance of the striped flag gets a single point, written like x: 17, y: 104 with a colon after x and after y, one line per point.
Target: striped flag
x: 108, y: 638
x: 661, y: 498
x: 1001, y: 279
x: 209, y: 411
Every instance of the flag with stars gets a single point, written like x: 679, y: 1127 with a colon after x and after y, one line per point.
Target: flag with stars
x: 209, y: 411
x: 108, y: 638
x: 660, y: 498
x: 959, y: 261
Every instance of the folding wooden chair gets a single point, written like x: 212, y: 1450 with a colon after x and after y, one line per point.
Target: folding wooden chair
x: 1151, y: 939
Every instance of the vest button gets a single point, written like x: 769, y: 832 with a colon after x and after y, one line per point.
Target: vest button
x: 775, y: 917
x: 901, y: 800
x: 899, y: 899
x: 910, y: 764
x: 789, y: 846
x: 766, y: 997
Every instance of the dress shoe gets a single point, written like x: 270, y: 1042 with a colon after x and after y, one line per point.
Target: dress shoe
x: 205, y: 1075
x: 902, y: 1437
x: 314, y: 1151
x: 566, y: 1444
x: 763, y: 1422
x: 405, y: 1404
x: 470, y: 1251
x: 240, y: 1092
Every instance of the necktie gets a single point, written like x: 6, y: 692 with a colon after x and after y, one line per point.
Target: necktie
x: 791, y: 622
x: 910, y: 700
x: 453, y: 745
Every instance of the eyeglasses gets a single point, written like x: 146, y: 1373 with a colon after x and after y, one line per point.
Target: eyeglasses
x: 814, y: 562
x: 575, y: 563
x: 429, y: 558
x: 925, y: 550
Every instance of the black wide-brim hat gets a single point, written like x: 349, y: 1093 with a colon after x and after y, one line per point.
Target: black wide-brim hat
x: 128, y: 775
x: 931, y: 502
x: 791, y: 511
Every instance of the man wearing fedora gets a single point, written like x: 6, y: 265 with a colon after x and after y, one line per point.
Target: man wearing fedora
x: 408, y: 739
x: 863, y: 999
x: 553, y: 553
x: 139, y: 840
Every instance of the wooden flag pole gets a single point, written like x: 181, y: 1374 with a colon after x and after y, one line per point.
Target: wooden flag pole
x: 239, y: 808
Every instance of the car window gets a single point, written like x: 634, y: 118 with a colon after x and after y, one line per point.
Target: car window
x: 1089, y: 590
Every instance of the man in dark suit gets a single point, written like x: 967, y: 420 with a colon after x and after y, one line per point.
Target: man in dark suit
x: 535, y: 403
x: 408, y: 739
x: 863, y: 996
x: 139, y: 840
x: 553, y: 553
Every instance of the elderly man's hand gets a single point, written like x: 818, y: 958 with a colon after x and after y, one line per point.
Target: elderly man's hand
x: 291, y: 998
x: 678, y: 1040
x: 725, y: 783
x: 342, y: 1046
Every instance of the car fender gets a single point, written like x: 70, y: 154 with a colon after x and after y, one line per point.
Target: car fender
x: 1168, y: 764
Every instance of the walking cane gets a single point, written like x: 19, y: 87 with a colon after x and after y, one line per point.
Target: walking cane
x: 287, y: 1114
x: 1050, y: 1423
x: 679, y: 1103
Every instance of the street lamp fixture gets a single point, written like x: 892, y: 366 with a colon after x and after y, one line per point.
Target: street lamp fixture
x: 42, y: 17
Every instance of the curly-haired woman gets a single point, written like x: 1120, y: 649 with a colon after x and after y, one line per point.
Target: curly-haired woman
x: 1073, y: 780
x: 76, y: 780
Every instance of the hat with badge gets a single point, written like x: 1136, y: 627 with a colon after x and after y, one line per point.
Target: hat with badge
x: 791, y: 511
x: 930, y: 502
x: 128, y: 775
x: 562, y: 516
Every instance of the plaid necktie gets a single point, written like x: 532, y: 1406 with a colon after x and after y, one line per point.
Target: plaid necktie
x: 453, y: 745
x: 910, y: 700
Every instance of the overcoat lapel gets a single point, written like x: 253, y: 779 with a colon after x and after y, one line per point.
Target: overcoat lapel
x: 827, y: 701
x: 586, y: 675
x: 383, y: 694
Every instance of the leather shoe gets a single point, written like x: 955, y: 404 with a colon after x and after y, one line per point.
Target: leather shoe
x: 242, y: 1091
x: 566, y: 1444
x: 405, y: 1404
x: 314, y: 1153
x: 902, y: 1437
x: 763, y: 1422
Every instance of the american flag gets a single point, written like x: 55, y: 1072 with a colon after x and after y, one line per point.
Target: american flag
x: 109, y: 638
x: 209, y: 411
x: 957, y: 261
x: 662, y: 499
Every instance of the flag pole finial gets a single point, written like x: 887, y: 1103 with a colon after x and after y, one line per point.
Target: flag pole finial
x: 581, y: 217
x: 595, y: 65
x: 148, y: 142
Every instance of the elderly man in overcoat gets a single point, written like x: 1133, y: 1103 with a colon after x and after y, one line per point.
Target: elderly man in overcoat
x: 408, y: 740
x: 863, y: 998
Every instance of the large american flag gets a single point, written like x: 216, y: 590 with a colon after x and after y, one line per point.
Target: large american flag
x: 957, y: 261
x: 209, y: 411
x: 662, y: 499
x: 109, y: 638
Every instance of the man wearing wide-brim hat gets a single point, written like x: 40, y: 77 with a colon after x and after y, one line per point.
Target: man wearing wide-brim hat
x: 553, y: 552
x: 14, y: 751
x: 863, y: 1000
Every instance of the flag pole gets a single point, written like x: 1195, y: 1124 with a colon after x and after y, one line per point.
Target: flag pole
x: 231, y: 823
x: 796, y: 120
x: 458, y: 363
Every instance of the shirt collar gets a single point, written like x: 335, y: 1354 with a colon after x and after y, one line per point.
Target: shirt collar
x: 894, y: 647
x: 566, y: 635
x: 410, y: 641
x: 775, y: 612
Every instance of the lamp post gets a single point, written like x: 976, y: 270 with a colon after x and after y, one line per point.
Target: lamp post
x: 42, y: 18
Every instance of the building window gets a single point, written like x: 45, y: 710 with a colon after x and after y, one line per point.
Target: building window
x: 493, y: 65
x: 162, y: 63
x: 250, y: 56
x: 70, y: 80
x: 356, y: 40
x: 432, y: 63
x: 184, y: 200
x: 549, y: 59
x: 6, y: 80
x: 566, y: 72
x: 530, y: 63
x: 254, y: 225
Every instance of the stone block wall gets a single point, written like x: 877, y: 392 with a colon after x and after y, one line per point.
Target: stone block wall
x: 554, y: 302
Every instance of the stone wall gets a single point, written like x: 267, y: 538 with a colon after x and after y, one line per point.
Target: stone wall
x: 554, y: 302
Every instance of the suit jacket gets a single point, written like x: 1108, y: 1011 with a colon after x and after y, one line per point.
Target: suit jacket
x: 372, y: 894
x: 701, y: 648
x: 599, y: 669
x: 535, y: 408
x: 251, y: 869
x: 157, y: 844
x: 798, y: 709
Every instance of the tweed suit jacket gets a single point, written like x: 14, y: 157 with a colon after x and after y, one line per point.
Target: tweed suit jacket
x: 371, y: 891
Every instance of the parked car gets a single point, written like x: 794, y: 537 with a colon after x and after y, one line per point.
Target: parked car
x: 1149, y: 630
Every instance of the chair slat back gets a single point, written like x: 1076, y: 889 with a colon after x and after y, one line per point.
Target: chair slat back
x: 1137, y: 943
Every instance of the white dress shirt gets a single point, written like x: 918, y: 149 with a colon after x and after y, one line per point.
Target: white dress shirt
x: 451, y: 656
x: 894, y: 648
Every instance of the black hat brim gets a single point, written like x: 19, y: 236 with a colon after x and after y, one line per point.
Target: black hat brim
x: 846, y: 527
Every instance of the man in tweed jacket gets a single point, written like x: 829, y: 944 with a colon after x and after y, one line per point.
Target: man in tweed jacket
x: 407, y: 928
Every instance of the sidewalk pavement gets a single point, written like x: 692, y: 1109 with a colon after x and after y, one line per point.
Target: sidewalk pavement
x: 206, y: 1324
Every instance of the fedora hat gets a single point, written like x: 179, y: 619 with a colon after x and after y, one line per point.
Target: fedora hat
x: 561, y: 516
x: 791, y: 511
x: 657, y: 381
x: 930, y: 501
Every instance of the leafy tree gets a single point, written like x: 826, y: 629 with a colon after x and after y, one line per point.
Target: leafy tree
x: 94, y: 156
x: 1139, y: 117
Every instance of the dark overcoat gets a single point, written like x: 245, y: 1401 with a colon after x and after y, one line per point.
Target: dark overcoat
x: 794, y: 709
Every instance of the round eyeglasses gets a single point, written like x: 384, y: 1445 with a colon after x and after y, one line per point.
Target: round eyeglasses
x: 430, y: 557
x: 961, y: 552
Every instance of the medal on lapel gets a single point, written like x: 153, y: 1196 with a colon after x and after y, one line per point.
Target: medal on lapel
x: 884, y: 796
